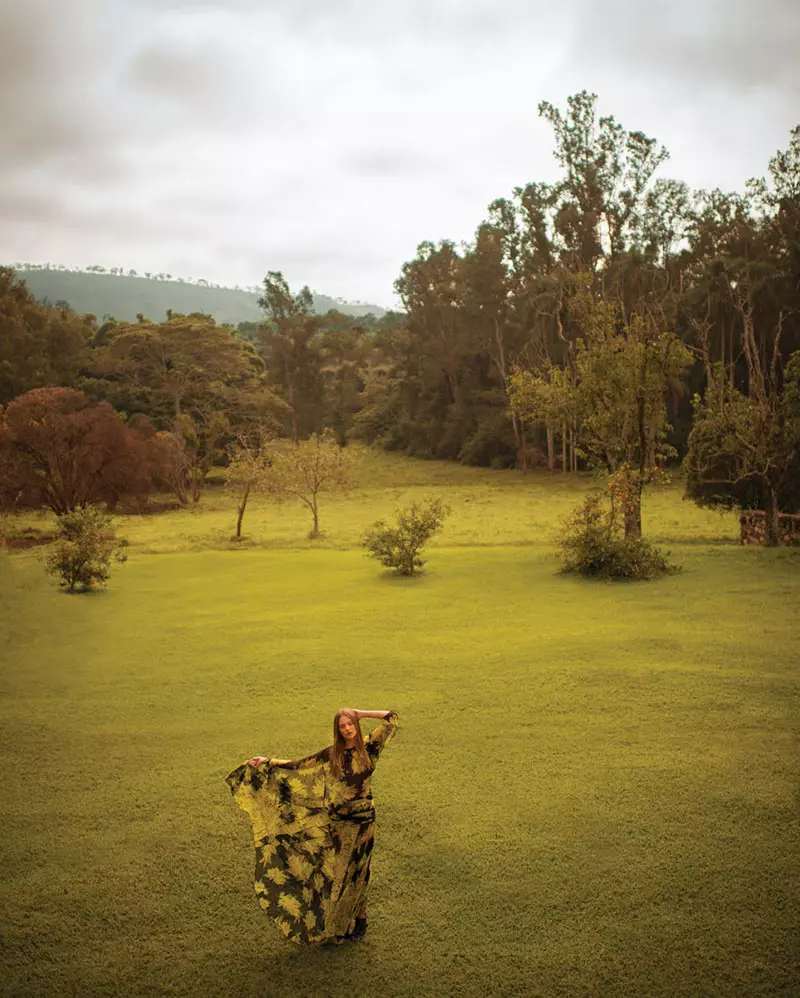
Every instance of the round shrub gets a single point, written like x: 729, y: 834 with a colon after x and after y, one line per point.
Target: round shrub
x: 399, y: 547
x: 81, y: 556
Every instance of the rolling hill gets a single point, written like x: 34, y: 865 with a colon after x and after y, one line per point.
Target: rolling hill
x: 123, y: 297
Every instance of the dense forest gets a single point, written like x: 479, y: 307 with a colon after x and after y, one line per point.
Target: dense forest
x: 614, y: 318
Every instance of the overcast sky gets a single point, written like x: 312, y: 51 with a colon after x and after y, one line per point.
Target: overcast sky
x: 327, y: 138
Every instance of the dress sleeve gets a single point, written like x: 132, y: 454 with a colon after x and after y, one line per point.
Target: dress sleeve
x: 381, y: 735
x: 286, y: 799
x: 306, y: 763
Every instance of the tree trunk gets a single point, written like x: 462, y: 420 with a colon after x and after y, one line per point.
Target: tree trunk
x: 564, y: 448
x: 315, y: 511
x: 633, y: 513
x: 550, y: 448
x: 520, y: 450
x: 772, y: 537
x: 523, y: 450
x: 240, y: 516
x: 572, y: 437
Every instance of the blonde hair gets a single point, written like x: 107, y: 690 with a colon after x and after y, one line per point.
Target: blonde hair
x: 361, y: 760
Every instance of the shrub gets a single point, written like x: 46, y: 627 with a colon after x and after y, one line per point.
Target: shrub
x: 81, y: 557
x: 593, y: 547
x: 399, y: 547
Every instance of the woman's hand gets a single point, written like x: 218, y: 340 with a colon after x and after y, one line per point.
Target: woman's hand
x: 256, y: 761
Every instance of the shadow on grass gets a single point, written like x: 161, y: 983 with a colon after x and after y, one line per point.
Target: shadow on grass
x: 390, y: 577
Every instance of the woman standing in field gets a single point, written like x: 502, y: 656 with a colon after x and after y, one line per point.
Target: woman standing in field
x: 313, y: 822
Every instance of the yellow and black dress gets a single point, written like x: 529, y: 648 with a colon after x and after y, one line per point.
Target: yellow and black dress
x: 313, y: 835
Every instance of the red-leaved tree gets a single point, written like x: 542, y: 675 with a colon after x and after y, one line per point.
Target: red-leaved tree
x: 61, y: 452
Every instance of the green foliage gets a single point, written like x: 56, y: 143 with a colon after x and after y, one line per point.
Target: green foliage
x: 593, y: 547
x: 399, y: 547
x: 81, y: 557
x: 744, y: 447
x: 39, y: 345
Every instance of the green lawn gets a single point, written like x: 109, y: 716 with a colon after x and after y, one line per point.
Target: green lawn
x: 594, y: 790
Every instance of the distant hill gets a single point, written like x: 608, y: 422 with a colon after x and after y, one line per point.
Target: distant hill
x: 123, y: 297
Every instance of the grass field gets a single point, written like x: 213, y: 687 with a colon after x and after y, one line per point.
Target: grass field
x: 594, y: 790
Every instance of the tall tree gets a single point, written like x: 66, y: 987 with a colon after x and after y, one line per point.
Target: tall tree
x: 607, y: 172
x: 625, y: 370
x: 289, y: 344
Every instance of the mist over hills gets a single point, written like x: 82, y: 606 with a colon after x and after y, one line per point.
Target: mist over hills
x: 125, y: 296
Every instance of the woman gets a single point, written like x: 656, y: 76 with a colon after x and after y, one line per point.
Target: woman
x: 313, y: 823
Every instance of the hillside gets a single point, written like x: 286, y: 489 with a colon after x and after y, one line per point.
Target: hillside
x: 124, y: 297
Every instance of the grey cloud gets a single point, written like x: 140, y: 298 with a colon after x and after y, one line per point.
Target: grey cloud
x: 733, y: 45
x: 390, y: 163
x: 329, y: 138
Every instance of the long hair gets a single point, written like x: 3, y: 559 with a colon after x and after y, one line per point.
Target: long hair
x: 361, y: 760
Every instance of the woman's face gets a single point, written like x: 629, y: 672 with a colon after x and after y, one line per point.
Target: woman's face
x: 347, y: 728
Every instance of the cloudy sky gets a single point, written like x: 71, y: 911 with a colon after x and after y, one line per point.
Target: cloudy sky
x: 327, y: 138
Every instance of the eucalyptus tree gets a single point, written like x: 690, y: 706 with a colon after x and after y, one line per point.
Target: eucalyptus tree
x: 289, y: 342
x: 607, y: 173
x: 625, y: 369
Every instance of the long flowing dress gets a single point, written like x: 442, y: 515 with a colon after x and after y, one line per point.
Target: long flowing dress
x: 313, y: 835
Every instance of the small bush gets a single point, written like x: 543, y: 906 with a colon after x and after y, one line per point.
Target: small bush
x: 81, y: 557
x: 399, y: 547
x: 592, y: 547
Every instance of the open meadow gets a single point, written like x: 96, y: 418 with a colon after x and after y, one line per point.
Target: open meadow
x: 594, y: 790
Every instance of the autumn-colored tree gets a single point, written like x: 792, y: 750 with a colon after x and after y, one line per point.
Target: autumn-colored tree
x: 64, y: 453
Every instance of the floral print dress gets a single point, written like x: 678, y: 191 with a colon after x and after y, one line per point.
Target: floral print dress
x: 313, y: 835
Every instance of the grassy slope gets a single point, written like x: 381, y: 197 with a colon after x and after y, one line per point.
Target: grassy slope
x: 594, y: 790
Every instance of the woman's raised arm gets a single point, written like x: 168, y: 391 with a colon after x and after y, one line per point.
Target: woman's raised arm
x: 308, y: 761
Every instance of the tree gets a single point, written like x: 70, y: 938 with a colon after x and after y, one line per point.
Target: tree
x: 39, y: 345
x: 399, y: 547
x: 344, y: 356
x: 739, y: 439
x: 624, y: 372
x: 248, y: 470
x: 290, y: 348
x: 65, y: 452
x: 188, y: 362
x: 602, y: 198
x: 306, y: 468
x: 81, y: 556
x: 743, y: 447
x: 592, y: 545
x: 193, y: 377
